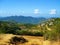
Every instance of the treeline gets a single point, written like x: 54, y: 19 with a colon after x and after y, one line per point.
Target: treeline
x: 18, y: 29
x: 8, y: 27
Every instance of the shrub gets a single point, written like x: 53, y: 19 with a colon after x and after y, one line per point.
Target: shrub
x: 27, y: 32
x: 15, y: 40
x: 51, y: 35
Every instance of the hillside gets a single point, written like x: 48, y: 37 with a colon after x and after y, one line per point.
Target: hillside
x: 51, y: 24
x: 45, y: 33
x: 30, y: 29
x: 51, y: 28
x: 23, y: 19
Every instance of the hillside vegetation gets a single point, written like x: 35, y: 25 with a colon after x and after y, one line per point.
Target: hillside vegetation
x: 49, y: 29
x: 45, y: 33
x: 52, y: 29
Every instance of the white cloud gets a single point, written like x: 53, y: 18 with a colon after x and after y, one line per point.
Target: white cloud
x: 36, y: 11
x: 53, y: 11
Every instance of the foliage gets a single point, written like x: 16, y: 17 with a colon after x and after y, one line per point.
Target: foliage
x: 27, y: 32
x: 8, y: 27
x: 53, y: 34
x: 29, y: 29
x: 16, y: 39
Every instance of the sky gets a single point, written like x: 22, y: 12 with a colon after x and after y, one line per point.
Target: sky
x: 35, y: 8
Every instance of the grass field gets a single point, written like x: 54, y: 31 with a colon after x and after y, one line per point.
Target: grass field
x: 32, y: 40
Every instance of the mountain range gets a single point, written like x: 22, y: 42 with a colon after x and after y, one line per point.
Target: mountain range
x: 23, y: 19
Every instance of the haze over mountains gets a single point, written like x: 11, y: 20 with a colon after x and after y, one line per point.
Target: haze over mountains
x: 23, y: 19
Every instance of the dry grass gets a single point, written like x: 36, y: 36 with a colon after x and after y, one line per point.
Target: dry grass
x: 32, y: 40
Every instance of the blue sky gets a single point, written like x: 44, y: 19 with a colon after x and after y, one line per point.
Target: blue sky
x: 35, y: 8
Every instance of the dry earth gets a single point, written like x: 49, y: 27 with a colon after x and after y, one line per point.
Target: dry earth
x: 32, y: 40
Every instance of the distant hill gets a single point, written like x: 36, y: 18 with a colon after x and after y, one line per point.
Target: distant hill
x: 23, y: 19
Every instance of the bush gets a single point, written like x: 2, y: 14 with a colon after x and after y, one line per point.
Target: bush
x: 27, y: 32
x: 15, y: 40
x: 52, y: 35
x: 38, y: 33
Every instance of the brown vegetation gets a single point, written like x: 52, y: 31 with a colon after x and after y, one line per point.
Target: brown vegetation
x: 31, y: 40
